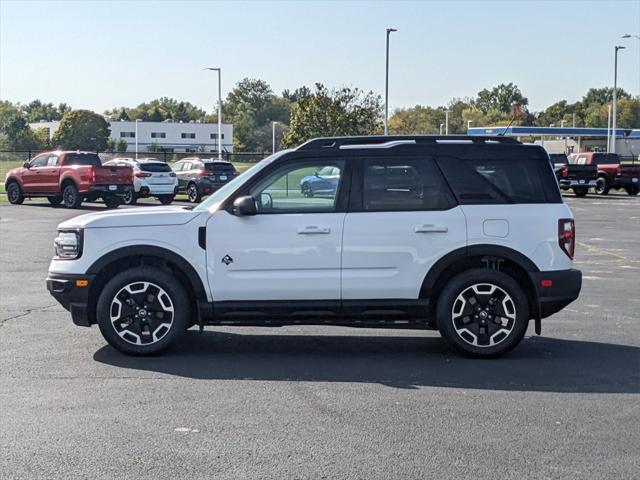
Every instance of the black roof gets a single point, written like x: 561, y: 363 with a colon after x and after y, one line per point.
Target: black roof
x: 380, y: 141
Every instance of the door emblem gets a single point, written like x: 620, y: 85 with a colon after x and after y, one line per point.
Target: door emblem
x: 227, y: 260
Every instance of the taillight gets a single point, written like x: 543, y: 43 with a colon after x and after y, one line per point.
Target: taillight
x: 142, y: 174
x: 91, y: 175
x: 565, y: 171
x: 203, y: 173
x: 567, y: 236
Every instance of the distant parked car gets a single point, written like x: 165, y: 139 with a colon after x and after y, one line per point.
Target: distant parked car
x: 611, y: 172
x: 579, y: 178
x: 323, y: 182
x: 198, y: 177
x: 69, y: 178
x: 151, y: 178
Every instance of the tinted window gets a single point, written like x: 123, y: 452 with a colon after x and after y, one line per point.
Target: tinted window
x: 154, y: 167
x: 298, y: 188
x: 219, y: 168
x: 82, y: 159
x: 40, y: 161
x: 403, y: 184
x: 603, y: 158
x: 506, y: 180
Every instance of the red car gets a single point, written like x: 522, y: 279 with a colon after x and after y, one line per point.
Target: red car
x: 69, y: 178
x: 611, y: 172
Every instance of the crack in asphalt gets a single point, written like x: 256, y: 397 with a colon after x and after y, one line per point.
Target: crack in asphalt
x: 26, y: 312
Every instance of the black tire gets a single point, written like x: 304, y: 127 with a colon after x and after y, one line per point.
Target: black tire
x: 112, y: 201
x: 71, y: 197
x: 306, y: 190
x: 581, y: 191
x: 457, y: 327
x: 129, y: 198
x: 193, y: 193
x: 632, y: 190
x: 602, y: 186
x: 166, y: 199
x: 14, y: 193
x: 114, y: 300
x: 55, y: 201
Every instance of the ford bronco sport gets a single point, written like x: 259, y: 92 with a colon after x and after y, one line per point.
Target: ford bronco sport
x: 466, y: 235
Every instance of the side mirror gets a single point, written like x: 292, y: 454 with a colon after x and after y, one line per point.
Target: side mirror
x: 243, y: 206
x: 26, y: 165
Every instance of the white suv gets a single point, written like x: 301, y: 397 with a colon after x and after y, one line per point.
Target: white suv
x: 466, y: 235
x: 151, y: 178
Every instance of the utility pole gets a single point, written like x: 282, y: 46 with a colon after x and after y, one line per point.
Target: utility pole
x: 386, y: 86
x: 615, y: 95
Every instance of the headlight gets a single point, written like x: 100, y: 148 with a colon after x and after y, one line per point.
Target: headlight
x: 68, y: 245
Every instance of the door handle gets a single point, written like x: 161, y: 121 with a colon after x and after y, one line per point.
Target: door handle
x: 313, y: 229
x: 430, y: 229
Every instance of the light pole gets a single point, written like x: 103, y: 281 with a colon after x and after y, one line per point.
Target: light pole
x: 273, y: 137
x: 628, y: 35
x: 608, y: 128
x: 219, y: 109
x: 441, y: 125
x: 615, y: 88
x: 446, y: 122
x: 469, y: 122
x: 386, y: 86
x: 136, y: 134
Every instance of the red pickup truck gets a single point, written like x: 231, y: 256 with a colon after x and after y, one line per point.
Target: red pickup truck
x: 69, y: 178
x: 611, y: 172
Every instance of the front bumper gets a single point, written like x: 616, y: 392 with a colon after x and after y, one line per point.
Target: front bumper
x: 74, y: 298
x: 556, y: 289
x: 119, y: 190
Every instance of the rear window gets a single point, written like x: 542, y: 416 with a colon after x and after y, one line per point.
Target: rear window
x: 500, y: 181
x: 155, y: 167
x: 82, y: 159
x: 219, y: 168
x: 602, y: 158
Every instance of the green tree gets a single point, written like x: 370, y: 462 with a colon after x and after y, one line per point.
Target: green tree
x: 15, y: 133
x: 158, y: 110
x: 500, y: 98
x: 344, y: 111
x: 418, y: 120
x: 36, y: 110
x: 601, y: 96
x: 84, y: 130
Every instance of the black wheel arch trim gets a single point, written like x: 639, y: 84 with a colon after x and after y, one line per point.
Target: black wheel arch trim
x: 153, y: 251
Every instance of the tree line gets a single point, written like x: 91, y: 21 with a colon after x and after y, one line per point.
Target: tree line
x: 307, y: 112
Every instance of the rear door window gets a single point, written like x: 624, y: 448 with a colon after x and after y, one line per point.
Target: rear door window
x: 402, y: 184
x: 500, y: 181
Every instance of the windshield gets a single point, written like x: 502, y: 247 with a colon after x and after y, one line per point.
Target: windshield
x: 211, y: 203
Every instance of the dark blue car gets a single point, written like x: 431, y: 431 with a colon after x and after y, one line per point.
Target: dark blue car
x: 323, y: 182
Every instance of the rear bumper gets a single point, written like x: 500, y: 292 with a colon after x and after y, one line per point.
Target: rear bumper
x: 622, y: 182
x: 578, y: 183
x: 73, y: 298
x: 561, y: 287
x: 119, y: 189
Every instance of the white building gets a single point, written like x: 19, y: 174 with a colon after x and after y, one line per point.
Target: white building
x: 168, y: 136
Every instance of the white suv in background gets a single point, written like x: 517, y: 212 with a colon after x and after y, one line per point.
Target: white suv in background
x: 151, y: 178
x: 466, y: 235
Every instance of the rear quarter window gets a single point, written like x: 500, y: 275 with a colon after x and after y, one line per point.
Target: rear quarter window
x: 500, y: 180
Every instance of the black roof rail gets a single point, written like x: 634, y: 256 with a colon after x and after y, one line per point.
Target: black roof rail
x: 380, y: 141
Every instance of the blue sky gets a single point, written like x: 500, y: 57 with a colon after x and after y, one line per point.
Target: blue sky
x: 103, y: 54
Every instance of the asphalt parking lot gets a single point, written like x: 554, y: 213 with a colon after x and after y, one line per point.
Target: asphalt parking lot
x: 323, y: 402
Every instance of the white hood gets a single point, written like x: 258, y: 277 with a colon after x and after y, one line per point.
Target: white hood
x: 133, y: 217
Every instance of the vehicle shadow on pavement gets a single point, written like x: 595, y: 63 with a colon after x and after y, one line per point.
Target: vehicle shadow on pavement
x: 538, y: 364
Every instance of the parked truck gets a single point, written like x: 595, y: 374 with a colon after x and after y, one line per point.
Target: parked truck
x: 611, y: 172
x: 576, y: 177
x: 69, y: 177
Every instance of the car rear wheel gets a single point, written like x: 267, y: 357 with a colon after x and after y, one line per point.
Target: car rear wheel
x: 71, y: 197
x: 602, y: 186
x: 14, y: 193
x: 482, y: 313
x: 141, y: 311
x: 166, y: 199
x: 194, y: 193
x: 129, y: 197
x: 55, y: 201
x: 632, y: 190
x: 581, y: 191
x: 306, y: 190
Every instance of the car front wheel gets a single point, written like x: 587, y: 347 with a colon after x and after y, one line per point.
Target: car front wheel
x: 632, y: 190
x: 193, y: 193
x: 141, y: 311
x: 14, y: 193
x: 482, y: 313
